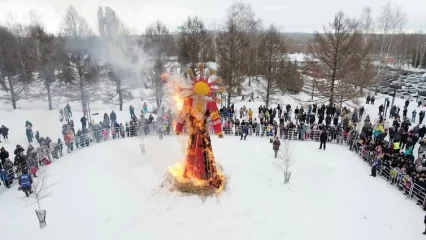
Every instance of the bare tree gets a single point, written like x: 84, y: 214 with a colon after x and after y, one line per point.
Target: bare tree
x: 194, y: 43
x: 122, y: 87
x: 243, y: 16
x: 40, y: 191
x: 340, y: 53
x: 272, y: 55
x: 79, y: 66
x: 390, y: 25
x: 47, y: 60
x: 10, y: 68
x: 25, y: 52
x: 232, y: 48
x: 289, y: 78
x: 158, y: 44
x: 40, y: 188
x: 285, y: 160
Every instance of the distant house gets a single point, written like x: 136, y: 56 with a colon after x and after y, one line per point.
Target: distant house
x: 388, y: 60
x: 301, y: 59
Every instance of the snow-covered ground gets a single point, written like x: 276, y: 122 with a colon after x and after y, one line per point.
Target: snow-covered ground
x: 112, y: 191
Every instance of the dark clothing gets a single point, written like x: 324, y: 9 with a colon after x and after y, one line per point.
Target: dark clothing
x: 83, y: 121
x: 3, y: 156
x: 113, y: 117
x: 323, y: 136
x: 322, y: 144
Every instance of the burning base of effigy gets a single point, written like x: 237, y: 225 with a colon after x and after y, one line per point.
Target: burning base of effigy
x: 176, y: 181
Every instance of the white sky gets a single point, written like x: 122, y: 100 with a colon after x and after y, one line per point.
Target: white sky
x: 288, y: 15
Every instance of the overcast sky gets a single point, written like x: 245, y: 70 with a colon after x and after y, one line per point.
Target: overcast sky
x: 288, y: 15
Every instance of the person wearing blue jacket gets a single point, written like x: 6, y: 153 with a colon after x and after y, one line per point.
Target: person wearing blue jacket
x: 376, y: 165
x: 25, y: 182
x: 244, y: 132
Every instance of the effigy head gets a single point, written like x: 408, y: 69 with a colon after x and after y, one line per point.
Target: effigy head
x: 201, y: 88
x: 203, y: 82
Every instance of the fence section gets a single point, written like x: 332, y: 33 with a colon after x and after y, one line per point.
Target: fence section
x: 397, y: 179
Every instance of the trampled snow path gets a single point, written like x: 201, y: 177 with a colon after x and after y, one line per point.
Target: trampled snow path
x: 111, y: 191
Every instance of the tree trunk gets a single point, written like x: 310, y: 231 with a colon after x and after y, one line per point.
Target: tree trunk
x: 120, y: 94
x: 81, y: 89
x: 268, y: 85
x: 12, y: 92
x: 49, y: 94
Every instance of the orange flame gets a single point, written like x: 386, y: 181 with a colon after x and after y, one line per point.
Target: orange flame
x: 182, y: 172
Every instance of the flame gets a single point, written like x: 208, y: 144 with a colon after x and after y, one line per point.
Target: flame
x: 179, y: 102
x: 187, y: 175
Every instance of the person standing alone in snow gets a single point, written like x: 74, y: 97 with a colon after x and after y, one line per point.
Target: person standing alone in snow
x: 276, y: 146
x: 244, y: 132
x: 323, y: 139
x: 375, y: 166
x: 61, y: 115
x: 66, y: 114
x: 132, y: 112
x: 413, y: 116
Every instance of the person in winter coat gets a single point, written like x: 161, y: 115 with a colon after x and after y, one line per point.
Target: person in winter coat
x: 19, y: 150
x: 113, y: 117
x: 421, y: 116
x: 261, y: 117
x: 3, y: 155
x: 25, y: 181
x: 413, y: 116
x: 407, y: 103
x: 61, y: 115
x: 69, y: 141
x: 122, y: 131
x: 37, y: 137
x: 132, y: 112
x: 145, y: 107
x: 250, y: 114
x: 4, y: 131
x: 375, y: 166
x: 372, y: 99
x: 29, y: 134
x: 60, y: 147
x: 276, y: 146
x: 7, y: 175
x: 68, y: 107
x: 83, y: 121
x: 244, y: 132
x: 323, y: 139
x: 32, y: 164
x: 66, y: 114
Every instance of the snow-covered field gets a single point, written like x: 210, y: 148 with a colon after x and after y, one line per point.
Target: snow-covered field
x: 112, y: 191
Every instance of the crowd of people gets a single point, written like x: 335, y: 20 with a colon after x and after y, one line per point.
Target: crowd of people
x: 28, y: 161
x: 324, y: 123
x: 389, y: 149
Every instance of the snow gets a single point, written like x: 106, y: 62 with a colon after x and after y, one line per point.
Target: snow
x: 111, y: 191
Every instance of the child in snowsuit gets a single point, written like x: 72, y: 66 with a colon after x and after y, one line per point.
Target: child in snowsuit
x: 276, y: 146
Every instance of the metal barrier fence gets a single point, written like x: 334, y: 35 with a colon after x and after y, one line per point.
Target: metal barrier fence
x: 402, y: 182
x: 397, y: 179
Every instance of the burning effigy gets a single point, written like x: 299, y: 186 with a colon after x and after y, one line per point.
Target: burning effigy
x: 199, y: 173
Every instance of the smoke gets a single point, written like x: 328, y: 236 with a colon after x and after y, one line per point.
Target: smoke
x: 116, y: 48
